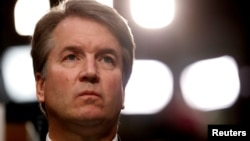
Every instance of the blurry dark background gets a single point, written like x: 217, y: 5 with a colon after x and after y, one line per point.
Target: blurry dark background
x: 201, y: 29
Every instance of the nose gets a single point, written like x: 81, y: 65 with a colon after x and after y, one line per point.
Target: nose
x: 89, y: 71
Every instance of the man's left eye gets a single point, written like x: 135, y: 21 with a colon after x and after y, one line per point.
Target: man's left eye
x: 108, y: 59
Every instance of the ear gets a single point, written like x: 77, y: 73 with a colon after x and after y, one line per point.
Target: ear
x: 40, y: 82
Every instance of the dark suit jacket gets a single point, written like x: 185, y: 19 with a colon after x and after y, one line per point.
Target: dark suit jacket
x: 119, y: 139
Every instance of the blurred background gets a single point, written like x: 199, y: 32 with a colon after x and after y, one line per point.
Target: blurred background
x: 192, y: 69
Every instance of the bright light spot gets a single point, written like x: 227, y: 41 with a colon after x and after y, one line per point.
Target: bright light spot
x: 149, y: 89
x: 211, y: 84
x: 152, y: 13
x: 18, y: 75
x: 106, y: 2
x: 27, y: 13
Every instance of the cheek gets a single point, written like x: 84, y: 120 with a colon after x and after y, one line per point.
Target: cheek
x: 58, y: 81
x: 113, y: 80
x: 58, y: 78
x: 113, y: 85
x: 58, y: 85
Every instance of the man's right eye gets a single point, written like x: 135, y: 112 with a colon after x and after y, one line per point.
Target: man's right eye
x: 70, y: 57
x: 70, y: 60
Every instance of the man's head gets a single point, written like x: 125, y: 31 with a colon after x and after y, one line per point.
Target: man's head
x: 42, y: 42
x: 82, y: 55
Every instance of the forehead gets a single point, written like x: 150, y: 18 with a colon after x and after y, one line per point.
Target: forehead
x: 85, y: 34
x: 83, y: 30
x: 84, y: 37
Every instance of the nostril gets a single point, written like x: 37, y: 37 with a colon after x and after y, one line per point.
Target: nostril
x: 93, y: 78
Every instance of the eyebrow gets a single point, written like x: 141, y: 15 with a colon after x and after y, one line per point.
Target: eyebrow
x: 71, y: 48
x: 108, y: 51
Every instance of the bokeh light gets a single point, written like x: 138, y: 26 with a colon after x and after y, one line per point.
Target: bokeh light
x: 211, y: 84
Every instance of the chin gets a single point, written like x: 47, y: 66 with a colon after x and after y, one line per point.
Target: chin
x: 90, y: 113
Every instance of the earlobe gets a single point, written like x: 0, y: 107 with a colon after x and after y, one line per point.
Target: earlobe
x: 40, y: 87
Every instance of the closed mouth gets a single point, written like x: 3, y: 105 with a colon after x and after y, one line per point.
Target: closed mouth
x: 89, y: 93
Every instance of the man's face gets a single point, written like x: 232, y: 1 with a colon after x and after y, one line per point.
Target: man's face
x: 84, y: 73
